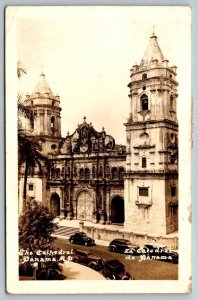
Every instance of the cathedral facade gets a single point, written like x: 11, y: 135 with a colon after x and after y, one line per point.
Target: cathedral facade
x: 89, y: 177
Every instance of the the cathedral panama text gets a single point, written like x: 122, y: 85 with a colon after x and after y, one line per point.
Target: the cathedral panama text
x: 46, y: 255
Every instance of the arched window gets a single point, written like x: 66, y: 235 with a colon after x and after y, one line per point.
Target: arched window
x: 100, y: 173
x: 144, y: 76
x: 171, y: 102
x: 107, y: 171
x: 143, y: 162
x: 52, y: 121
x: 144, y: 102
x: 68, y: 171
x: 114, y: 173
x: 82, y: 174
x: 87, y: 173
x: 32, y: 122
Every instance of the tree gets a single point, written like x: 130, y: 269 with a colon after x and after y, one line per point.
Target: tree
x: 35, y: 227
x: 29, y: 150
x: 20, y: 70
x: 30, y: 157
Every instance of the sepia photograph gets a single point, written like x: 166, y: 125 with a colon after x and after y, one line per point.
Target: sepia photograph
x: 98, y: 149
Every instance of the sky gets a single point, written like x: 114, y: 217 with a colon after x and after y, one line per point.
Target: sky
x: 86, y: 54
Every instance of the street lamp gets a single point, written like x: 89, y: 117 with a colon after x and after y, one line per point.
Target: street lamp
x: 35, y: 266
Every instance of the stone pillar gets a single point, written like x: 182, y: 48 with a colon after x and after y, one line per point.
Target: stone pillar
x: 69, y: 205
x: 48, y: 123
x: 81, y: 226
x: 62, y: 204
x: 95, y: 209
x: 103, y: 212
x: 108, y: 206
x: 45, y: 128
x: 41, y: 122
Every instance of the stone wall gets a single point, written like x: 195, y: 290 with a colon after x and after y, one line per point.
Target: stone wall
x: 140, y: 239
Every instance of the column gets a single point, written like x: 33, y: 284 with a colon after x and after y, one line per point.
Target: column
x: 103, y: 212
x: 108, y: 206
x: 69, y: 204
x: 95, y: 208
x: 62, y: 204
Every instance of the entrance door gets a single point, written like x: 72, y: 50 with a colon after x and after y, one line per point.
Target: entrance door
x: 117, y: 210
x: 84, y: 206
x: 55, y: 204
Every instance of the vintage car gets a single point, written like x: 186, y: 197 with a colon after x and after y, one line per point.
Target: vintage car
x: 123, y: 246
x: 82, y: 239
x: 160, y: 252
x: 50, y: 274
x: 88, y: 259
x: 115, y: 270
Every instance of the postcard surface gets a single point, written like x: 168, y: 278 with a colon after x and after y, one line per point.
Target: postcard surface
x: 98, y: 149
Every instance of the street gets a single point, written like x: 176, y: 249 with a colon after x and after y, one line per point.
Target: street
x: 140, y: 269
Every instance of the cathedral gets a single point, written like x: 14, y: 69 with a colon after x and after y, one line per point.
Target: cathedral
x: 89, y: 177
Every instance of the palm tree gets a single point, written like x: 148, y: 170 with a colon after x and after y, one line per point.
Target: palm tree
x: 30, y: 157
x: 20, y: 70
x: 29, y: 154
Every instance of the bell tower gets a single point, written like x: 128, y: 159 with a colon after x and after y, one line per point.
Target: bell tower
x: 45, y: 123
x: 151, y: 181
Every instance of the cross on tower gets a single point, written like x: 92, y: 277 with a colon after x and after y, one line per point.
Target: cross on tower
x: 153, y: 29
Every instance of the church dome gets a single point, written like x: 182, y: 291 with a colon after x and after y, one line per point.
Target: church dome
x: 153, y: 52
x: 42, y: 88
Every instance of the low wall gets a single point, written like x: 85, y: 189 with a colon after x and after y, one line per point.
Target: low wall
x: 139, y: 239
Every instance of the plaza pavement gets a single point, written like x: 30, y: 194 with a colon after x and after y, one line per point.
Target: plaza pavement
x: 74, y: 271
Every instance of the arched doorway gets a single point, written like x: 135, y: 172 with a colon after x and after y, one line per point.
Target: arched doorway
x: 55, y: 204
x: 117, y: 210
x: 84, y: 206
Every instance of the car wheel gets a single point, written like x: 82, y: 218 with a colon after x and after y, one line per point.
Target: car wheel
x: 71, y: 241
x: 92, y: 266
x: 112, y: 249
x: 86, y: 244
x: 112, y: 277
x: 104, y: 273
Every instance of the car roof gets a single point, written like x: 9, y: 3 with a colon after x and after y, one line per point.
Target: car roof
x: 156, y: 245
x: 120, y: 240
x: 82, y: 251
x: 114, y: 263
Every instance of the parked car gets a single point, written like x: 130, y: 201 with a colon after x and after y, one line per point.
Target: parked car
x: 115, y: 270
x: 88, y: 259
x: 82, y: 239
x: 175, y: 256
x: 160, y: 252
x: 50, y: 274
x: 123, y: 246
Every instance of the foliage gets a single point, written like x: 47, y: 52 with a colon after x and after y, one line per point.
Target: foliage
x: 36, y: 227
x: 29, y: 154
x: 20, y: 70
